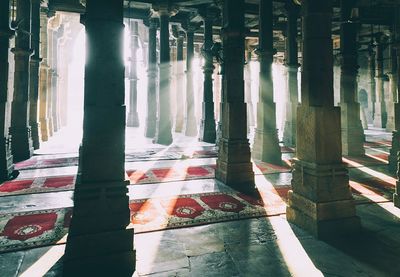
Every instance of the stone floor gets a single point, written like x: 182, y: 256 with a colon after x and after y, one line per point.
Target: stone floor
x: 254, y: 247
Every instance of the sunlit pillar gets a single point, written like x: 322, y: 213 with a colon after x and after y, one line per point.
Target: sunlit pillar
x: 43, y: 90
x: 395, y: 68
x: 99, y: 243
x: 6, y: 158
x: 190, y: 119
x: 50, y: 70
x: 164, y: 124
x: 248, y: 88
x: 34, y: 73
x: 320, y: 200
x: 292, y: 65
x: 207, y: 124
x: 133, y: 117
x: 392, y: 84
x: 352, y: 130
x: 55, y: 77
x: 380, y: 116
x: 151, y: 117
x: 234, y: 167
x: 372, y: 84
x: 179, y: 83
x: 20, y: 130
x: 266, y: 144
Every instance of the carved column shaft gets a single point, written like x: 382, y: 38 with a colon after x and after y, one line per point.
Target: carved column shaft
x: 190, y: 119
x: 179, y: 83
x: 20, y: 130
x: 164, y: 125
x: 99, y: 242
x: 320, y: 180
x: 6, y: 158
x: 266, y: 144
x: 380, y: 116
x: 133, y: 117
x: 151, y: 118
x: 292, y: 64
x: 207, y: 125
x: 43, y: 89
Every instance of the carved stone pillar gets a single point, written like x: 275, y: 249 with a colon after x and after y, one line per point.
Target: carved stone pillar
x: 392, y: 84
x: 266, y: 144
x: 34, y: 73
x: 247, y: 91
x: 20, y: 130
x: 133, y: 117
x: 372, y: 84
x: 190, y: 119
x: 99, y: 244
x: 164, y: 125
x: 207, y: 124
x: 151, y: 118
x: 380, y: 116
x: 55, y: 78
x: 179, y: 83
x: 43, y: 89
x: 292, y: 65
x: 234, y: 167
x: 320, y: 200
x: 6, y: 158
x: 352, y: 130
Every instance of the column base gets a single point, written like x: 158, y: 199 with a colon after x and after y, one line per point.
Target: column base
x: 98, y: 242
x: 132, y: 120
x: 234, y: 167
x: 396, y: 200
x: 321, y: 200
x: 21, y: 143
x: 266, y: 146
x: 207, y: 131
x: 380, y: 116
x: 190, y: 127
x: 35, y: 134
x: 178, y: 124
x: 289, y: 134
x: 6, y: 162
x: 352, y: 132
x: 51, y: 127
x: 393, y: 157
x: 163, y: 134
x: 44, y: 129
x: 150, y: 128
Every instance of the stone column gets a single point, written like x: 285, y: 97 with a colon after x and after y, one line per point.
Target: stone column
x: 292, y: 65
x: 54, y: 78
x: 266, y: 144
x: 133, y: 117
x: 320, y: 200
x: 190, y: 119
x: 50, y: 35
x: 247, y: 91
x: 99, y: 244
x: 234, y: 167
x: 43, y: 89
x: 179, y: 83
x: 207, y: 124
x: 6, y: 158
x: 164, y: 125
x: 20, y: 130
x: 34, y: 73
x: 380, y: 116
x: 151, y: 117
x: 352, y: 130
x: 395, y: 68
x: 392, y: 84
x: 371, y: 92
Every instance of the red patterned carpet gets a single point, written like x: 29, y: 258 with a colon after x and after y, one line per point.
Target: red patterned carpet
x: 38, y: 228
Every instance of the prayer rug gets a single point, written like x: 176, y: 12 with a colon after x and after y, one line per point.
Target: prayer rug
x: 23, y: 230
x: 377, y: 144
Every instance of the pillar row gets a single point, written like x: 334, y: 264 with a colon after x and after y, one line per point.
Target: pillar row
x: 320, y: 200
x: 99, y: 242
x: 133, y: 116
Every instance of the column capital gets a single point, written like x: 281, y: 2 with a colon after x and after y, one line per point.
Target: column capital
x: 190, y: 27
x: 209, y: 13
x: 164, y: 9
x: 151, y: 22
